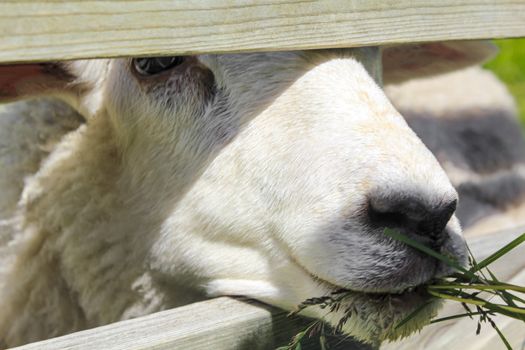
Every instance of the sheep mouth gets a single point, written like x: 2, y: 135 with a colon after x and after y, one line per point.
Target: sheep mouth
x: 400, y: 300
x: 374, y: 316
x: 382, y: 316
x: 402, y: 297
x: 408, y: 297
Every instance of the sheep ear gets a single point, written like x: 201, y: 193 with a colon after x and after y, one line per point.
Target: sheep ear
x: 25, y: 80
x: 403, y: 62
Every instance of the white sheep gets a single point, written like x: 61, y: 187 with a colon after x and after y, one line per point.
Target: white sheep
x: 268, y: 175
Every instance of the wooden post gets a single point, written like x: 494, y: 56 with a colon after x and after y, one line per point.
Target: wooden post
x: 39, y: 30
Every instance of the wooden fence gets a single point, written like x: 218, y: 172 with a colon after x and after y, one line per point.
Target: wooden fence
x: 33, y: 30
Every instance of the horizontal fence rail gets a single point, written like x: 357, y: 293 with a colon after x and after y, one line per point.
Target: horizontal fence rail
x: 226, y: 323
x: 32, y: 30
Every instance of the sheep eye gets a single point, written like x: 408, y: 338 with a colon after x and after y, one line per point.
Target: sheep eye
x: 155, y: 65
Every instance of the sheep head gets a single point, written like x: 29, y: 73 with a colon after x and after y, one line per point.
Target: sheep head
x: 266, y: 175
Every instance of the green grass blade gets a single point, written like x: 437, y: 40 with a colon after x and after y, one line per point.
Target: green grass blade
x: 511, y: 311
x: 499, y: 253
x: 414, y: 244
x: 458, y: 299
x: 492, y: 275
x: 508, y: 297
x: 323, y: 343
x: 484, y: 287
x: 442, y: 319
x: 516, y: 313
x: 502, y: 337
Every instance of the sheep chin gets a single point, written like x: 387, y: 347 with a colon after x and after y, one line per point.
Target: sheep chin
x: 374, y: 317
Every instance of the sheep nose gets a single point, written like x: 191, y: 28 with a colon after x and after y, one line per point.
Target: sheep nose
x: 425, y: 220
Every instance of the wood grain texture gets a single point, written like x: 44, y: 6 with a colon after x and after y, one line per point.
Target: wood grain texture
x: 226, y: 323
x: 216, y: 324
x: 38, y: 30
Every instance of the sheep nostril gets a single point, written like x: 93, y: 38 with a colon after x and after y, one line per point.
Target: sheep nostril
x: 412, y: 215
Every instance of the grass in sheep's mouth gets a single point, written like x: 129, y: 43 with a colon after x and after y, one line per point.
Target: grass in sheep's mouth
x: 464, y: 286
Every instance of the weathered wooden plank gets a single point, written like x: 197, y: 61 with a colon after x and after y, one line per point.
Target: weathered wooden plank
x: 484, y: 245
x: 218, y: 324
x: 48, y: 30
x: 196, y: 326
x: 226, y: 323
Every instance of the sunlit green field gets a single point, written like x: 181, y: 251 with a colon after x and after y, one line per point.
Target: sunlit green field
x: 509, y: 65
